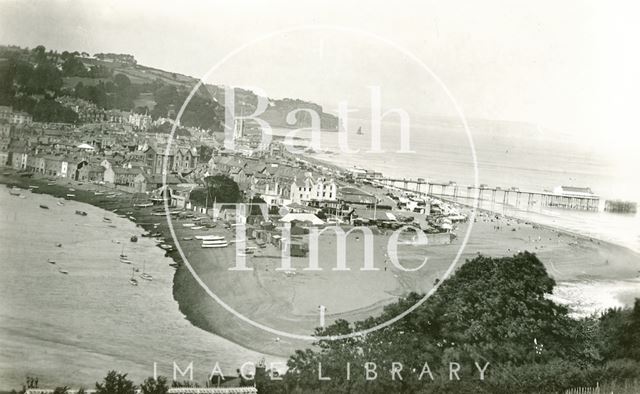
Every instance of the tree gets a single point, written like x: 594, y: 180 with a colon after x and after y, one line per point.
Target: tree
x: 115, y: 383
x: 155, y: 386
x: 218, y: 188
x: 491, y: 310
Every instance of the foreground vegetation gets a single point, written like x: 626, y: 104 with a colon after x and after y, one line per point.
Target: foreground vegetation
x: 494, y: 311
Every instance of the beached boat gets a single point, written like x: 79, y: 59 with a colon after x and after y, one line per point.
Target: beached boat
x: 81, y: 213
x: 217, y: 245
x: 213, y: 241
x: 44, y: 206
x: 209, y: 237
x: 144, y: 275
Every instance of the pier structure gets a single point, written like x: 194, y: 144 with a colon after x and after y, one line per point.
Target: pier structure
x: 513, y: 197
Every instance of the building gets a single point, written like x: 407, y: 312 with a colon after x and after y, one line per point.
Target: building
x: 178, y: 159
x: 572, y: 191
x: 309, y: 190
x: 91, y: 173
x: 140, y: 121
x: 5, y: 129
x: 21, y: 118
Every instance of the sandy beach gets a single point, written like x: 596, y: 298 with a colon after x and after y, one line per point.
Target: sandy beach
x: 290, y: 302
x: 72, y: 328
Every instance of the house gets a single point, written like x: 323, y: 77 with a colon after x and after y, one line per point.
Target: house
x: 309, y: 190
x: 124, y: 176
x: 20, y: 118
x: 5, y: 129
x: 147, y: 182
x: 91, y: 173
x: 351, y: 195
x: 19, y: 158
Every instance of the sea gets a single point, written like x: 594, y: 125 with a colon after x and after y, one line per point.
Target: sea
x: 71, y: 329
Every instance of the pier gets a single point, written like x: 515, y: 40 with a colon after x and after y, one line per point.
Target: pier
x: 495, y: 195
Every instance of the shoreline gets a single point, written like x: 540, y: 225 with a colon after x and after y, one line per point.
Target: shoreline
x: 205, y: 314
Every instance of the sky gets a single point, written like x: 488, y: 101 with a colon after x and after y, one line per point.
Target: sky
x: 568, y: 66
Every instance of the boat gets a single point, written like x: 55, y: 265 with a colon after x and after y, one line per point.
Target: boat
x: 143, y: 205
x: 144, y: 275
x: 359, y: 132
x: 132, y: 218
x: 218, y: 245
x: 125, y: 261
x: 61, y: 203
x: 51, y: 261
x: 213, y: 241
x: 209, y: 237
x: 166, y: 246
x: 71, y: 195
x: 187, y: 238
x: 197, y: 227
x: 81, y: 213
x: 98, y: 193
x: 129, y: 212
x: 44, y: 206
x: 72, y: 190
x: 65, y: 272
x: 34, y: 187
x: 134, y: 238
x: 51, y: 183
x: 122, y: 255
x: 15, y: 191
x: 133, y: 281
x: 188, y: 225
x: 106, y: 220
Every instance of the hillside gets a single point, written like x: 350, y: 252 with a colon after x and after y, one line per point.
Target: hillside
x: 100, y: 79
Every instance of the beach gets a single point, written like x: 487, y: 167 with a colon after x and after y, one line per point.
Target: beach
x: 70, y: 329
x: 289, y: 302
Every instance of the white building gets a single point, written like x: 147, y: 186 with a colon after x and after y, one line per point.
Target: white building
x: 313, y: 190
